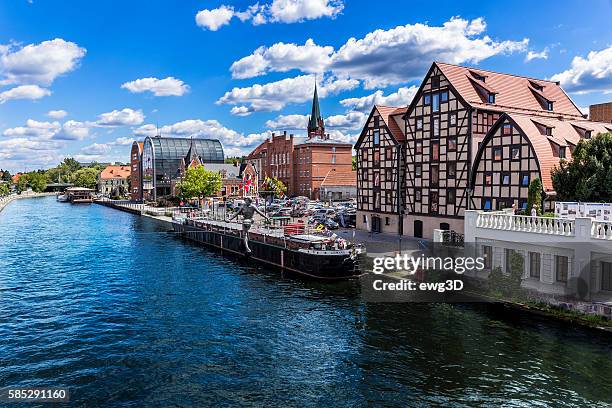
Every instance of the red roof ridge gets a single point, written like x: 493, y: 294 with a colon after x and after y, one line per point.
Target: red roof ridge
x: 498, y: 73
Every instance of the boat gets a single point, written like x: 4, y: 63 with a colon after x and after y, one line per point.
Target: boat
x: 62, y: 198
x: 80, y: 195
x: 292, y: 248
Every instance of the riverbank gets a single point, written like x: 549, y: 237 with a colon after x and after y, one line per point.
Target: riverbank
x: 4, y: 201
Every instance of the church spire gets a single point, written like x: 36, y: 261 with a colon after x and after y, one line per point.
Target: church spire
x: 316, y: 126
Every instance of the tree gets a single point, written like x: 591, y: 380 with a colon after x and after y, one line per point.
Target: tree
x: 70, y: 165
x: 87, y: 177
x: 37, y: 181
x: 199, y: 182
x: 534, y: 196
x: 354, y: 161
x: 22, y: 183
x: 4, y: 189
x: 274, y: 185
x: 588, y: 176
x: 6, y: 176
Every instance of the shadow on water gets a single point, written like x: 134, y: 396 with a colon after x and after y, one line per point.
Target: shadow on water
x: 126, y: 314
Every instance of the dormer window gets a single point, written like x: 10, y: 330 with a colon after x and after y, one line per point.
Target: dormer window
x: 587, y: 134
x: 549, y: 105
x: 536, y: 86
x: 562, y: 152
x: 491, y: 98
x: 548, y: 131
x: 478, y: 77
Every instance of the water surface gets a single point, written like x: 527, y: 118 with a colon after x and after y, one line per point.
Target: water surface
x: 127, y: 315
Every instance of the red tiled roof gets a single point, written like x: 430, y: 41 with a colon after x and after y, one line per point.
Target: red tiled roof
x: 115, y: 172
x: 564, y: 133
x: 513, y: 93
x: 340, y: 178
x: 390, y: 115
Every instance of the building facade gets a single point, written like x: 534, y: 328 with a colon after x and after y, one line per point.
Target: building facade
x: 114, y: 181
x: 381, y: 155
x: 136, y: 177
x: 446, y: 127
x: 302, y: 163
x: 339, y: 185
x: 601, y: 112
x: 164, y: 161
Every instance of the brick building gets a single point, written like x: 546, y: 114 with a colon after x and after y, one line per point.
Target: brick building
x: 601, y: 112
x: 302, y: 163
x: 136, y: 179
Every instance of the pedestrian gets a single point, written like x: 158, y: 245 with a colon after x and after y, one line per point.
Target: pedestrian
x: 513, y: 208
x: 534, y: 211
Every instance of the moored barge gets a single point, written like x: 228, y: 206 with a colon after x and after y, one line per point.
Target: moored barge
x: 292, y: 249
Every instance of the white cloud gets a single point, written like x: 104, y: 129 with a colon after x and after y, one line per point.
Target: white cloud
x: 276, y: 95
x: 203, y: 129
x: 402, y: 97
x: 293, y: 11
x: 279, y: 11
x: 34, y: 129
x: 32, y: 92
x: 241, y: 111
x: 282, y: 57
x: 350, y: 120
x: 73, y: 130
x: 21, y: 153
x: 343, y: 137
x: 214, y: 19
x: 124, y: 117
x: 590, y: 74
x: 288, y: 122
x: 401, y: 54
x: 169, y: 86
x: 383, y: 57
x: 95, y: 149
x: 57, y: 114
x: 124, y: 141
x: 531, y: 55
x: 39, y: 63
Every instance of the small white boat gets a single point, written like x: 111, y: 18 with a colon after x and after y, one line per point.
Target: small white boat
x: 62, y: 198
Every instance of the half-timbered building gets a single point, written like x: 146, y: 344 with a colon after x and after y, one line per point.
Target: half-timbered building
x: 518, y: 149
x: 380, y: 171
x: 446, y: 123
x: 442, y: 131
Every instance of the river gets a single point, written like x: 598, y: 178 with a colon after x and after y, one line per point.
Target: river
x: 126, y: 315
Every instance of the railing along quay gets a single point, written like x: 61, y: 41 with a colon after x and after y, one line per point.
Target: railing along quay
x: 524, y: 223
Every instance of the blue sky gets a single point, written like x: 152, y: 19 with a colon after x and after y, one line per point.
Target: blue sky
x: 83, y: 79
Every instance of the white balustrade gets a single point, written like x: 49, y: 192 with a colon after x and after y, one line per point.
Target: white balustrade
x: 522, y: 223
x: 601, y: 230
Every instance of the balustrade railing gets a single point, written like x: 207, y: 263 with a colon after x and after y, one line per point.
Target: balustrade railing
x: 523, y: 223
x: 601, y: 229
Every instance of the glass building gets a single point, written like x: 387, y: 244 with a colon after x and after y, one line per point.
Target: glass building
x: 164, y: 157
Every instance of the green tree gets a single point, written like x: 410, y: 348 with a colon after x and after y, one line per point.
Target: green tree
x: 199, y: 182
x: 274, y: 185
x: 588, y: 176
x: 354, y: 161
x: 4, y: 189
x: 69, y: 165
x: 534, y: 196
x: 87, y: 177
x: 6, y: 176
x: 22, y: 183
x: 37, y: 181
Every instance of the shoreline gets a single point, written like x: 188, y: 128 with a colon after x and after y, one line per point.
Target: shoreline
x: 532, y: 309
x: 4, y: 201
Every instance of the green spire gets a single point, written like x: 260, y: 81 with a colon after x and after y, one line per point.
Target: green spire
x: 315, y: 115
